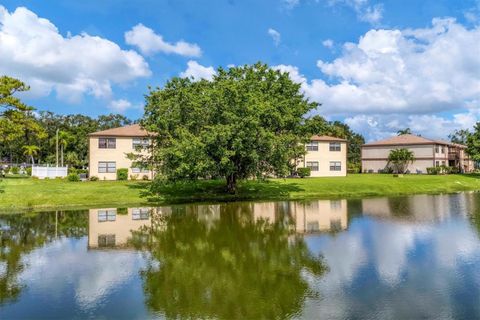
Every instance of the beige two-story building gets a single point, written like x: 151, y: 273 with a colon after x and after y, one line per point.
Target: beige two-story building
x: 326, y: 157
x: 427, y: 153
x: 108, y: 151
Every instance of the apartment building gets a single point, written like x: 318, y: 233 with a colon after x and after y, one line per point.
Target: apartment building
x: 108, y: 151
x: 326, y: 157
x: 427, y: 153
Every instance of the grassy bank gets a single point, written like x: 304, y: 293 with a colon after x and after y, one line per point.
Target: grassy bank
x: 23, y: 193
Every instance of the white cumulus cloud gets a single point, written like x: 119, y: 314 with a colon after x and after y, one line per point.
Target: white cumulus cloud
x: 197, y: 71
x: 120, y: 105
x: 426, y: 79
x: 276, y: 36
x: 148, y: 42
x: 33, y: 50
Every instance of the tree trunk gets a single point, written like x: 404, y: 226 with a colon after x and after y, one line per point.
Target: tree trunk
x: 33, y: 161
x: 62, y: 154
x: 232, y: 184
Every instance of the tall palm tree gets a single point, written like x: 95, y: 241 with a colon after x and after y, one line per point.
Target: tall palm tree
x: 399, y: 159
x: 31, y: 151
x: 64, y: 139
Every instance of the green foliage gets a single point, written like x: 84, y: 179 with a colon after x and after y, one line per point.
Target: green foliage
x: 145, y: 177
x: 122, y: 174
x: 404, y: 131
x: 317, y: 125
x: 245, y: 122
x: 251, y: 269
x: 354, y: 167
x: 93, y: 178
x: 14, y: 170
x: 28, y: 170
x: 459, y: 136
x: 399, y: 159
x: 73, y: 177
x: 303, y: 172
x: 473, y: 143
x: 433, y: 170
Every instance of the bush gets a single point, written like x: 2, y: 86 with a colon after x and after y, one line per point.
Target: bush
x: 433, y: 170
x: 14, y: 170
x: 93, y: 178
x: 145, y: 177
x: 133, y: 177
x: 73, y: 177
x: 72, y: 170
x: 28, y: 170
x: 354, y: 168
x: 303, y: 172
x: 122, y: 174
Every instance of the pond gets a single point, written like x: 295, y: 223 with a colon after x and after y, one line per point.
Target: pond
x: 389, y: 258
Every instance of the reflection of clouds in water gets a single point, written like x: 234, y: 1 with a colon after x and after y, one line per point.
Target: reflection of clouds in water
x: 390, y: 247
x: 420, y: 269
x: 92, y: 274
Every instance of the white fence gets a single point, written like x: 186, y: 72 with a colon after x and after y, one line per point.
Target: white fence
x: 49, y: 172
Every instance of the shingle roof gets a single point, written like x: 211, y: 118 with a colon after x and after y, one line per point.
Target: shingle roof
x: 408, y: 139
x: 133, y: 130
x: 326, y: 138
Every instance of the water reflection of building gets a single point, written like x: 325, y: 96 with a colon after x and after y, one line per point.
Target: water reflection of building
x: 418, y: 207
x: 112, y: 227
x: 307, y: 216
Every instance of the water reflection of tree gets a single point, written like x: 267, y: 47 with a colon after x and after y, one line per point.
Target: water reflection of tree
x: 234, y: 268
x: 22, y: 233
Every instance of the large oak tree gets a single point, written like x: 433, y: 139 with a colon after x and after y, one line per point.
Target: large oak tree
x: 245, y: 122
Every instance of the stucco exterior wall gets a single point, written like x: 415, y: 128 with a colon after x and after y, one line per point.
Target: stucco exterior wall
x: 121, y: 227
x: 323, y: 156
x: 124, y: 145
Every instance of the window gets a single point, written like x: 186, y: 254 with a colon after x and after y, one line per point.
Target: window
x: 335, y: 146
x: 107, y: 143
x: 443, y: 162
x: 107, y: 215
x: 140, y: 143
x: 140, y: 213
x: 335, y: 204
x: 140, y: 170
x: 436, y: 149
x: 313, y: 165
x: 335, y: 166
x: 312, y: 146
x: 313, y: 226
x: 437, y: 163
x: 106, y: 240
x: 107, y: 167
x: 443, y: 149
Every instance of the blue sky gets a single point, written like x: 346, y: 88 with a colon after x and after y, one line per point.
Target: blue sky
x: 378, y: 65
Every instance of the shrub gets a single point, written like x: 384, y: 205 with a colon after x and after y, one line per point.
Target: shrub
x: 122, y: 174
x: 72, y: 170
x: 133, y: 177
x: 93, y: 178
x: 122, y: 211
x: 433, y: 170
x: 28, y: 171
x: 303, y: 172
x: 73, y: 177
x: 354, y: 168
x: 145, y: 177
x: 14, y: 170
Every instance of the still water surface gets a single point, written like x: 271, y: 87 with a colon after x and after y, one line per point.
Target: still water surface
x: 389, y: 258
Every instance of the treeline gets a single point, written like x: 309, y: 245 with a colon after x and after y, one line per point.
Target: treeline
x: 41, y: 135
x: 29, y: 136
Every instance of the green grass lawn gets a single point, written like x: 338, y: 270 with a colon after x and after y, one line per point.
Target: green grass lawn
x: 24, y: 193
